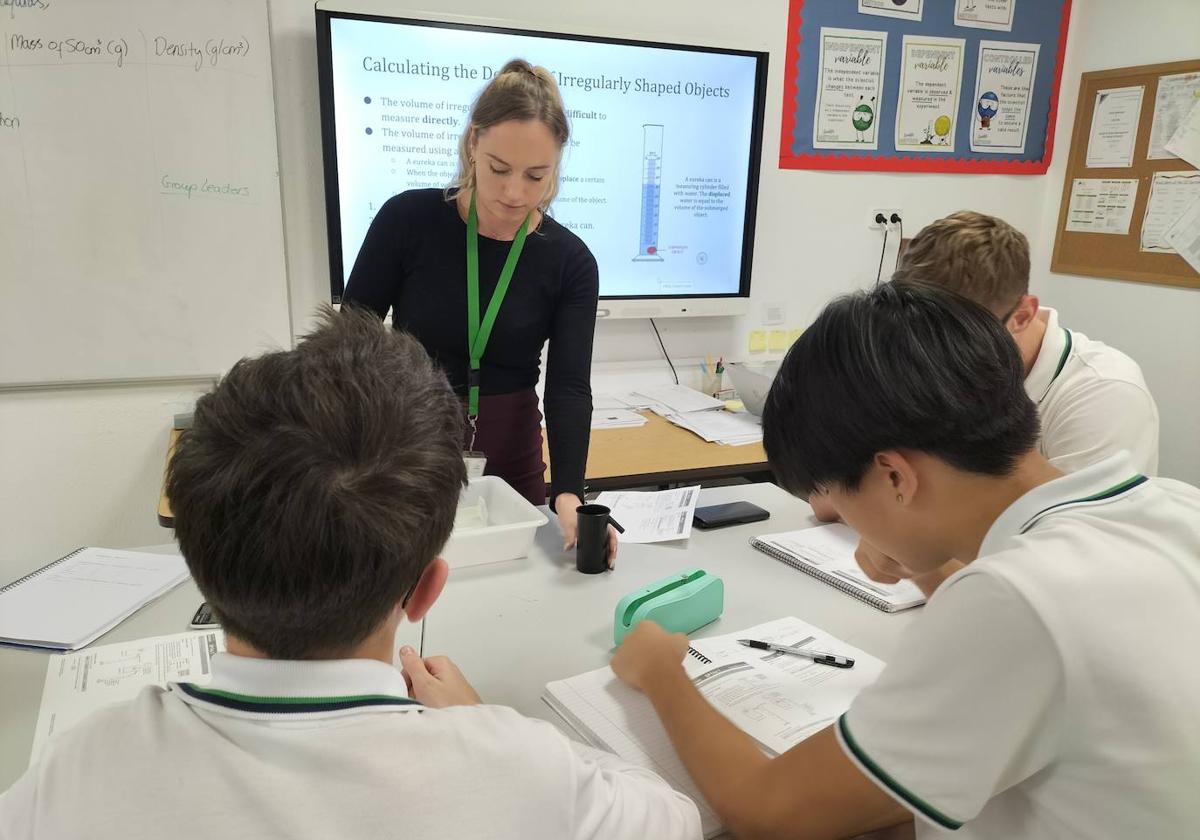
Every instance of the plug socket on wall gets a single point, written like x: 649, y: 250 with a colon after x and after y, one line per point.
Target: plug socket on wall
x: 886, y: 212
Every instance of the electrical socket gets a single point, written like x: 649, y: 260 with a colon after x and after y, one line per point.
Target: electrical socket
x: 887, y: 214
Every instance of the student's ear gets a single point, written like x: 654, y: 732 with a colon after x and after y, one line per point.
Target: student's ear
x: 1024, y: 315
x: 900, y: 476
x: 429, y: 587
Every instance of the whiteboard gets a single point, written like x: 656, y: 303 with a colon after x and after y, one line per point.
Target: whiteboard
x: 140, y: 224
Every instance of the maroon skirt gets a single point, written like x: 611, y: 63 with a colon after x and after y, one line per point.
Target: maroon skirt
x: 509, y: 432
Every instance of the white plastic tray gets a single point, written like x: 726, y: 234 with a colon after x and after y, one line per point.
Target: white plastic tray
x: 512, y: 523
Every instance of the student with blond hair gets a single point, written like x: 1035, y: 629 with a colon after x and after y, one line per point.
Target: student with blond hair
x: 1091, y: 399
x: 433, y: 256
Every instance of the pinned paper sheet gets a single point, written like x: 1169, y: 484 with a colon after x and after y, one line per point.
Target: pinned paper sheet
x: 778, y: 341
x: 758, y: 341
x: 1172, y: 103
x: 1171, y: 193
x: 1101, y: 205
x: 1185, y: 143
x: 1114, y: 127
x: 1184, y: 236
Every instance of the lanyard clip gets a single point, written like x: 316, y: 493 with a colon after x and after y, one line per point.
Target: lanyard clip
x: 472, y: 419
x: 474, y: 377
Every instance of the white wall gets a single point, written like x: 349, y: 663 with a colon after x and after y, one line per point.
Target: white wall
x: 1159, y: 326
x: 84, y: 466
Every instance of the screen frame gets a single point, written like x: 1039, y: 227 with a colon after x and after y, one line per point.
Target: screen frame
x: 333, y: 217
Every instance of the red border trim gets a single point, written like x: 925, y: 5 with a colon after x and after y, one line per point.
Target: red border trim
x: 891, y: 162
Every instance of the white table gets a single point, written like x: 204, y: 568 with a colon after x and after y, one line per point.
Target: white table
x: 512, y: 627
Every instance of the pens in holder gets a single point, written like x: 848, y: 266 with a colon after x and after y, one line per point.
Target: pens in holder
x: 815, y: 655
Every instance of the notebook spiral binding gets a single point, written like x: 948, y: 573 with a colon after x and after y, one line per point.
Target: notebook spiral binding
x: 37, y: 572
x: 834, y: 581
x: 695, y: 654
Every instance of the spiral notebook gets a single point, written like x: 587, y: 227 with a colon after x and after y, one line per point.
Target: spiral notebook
x: 776, y: 699
x: 71, y: 602
x: 827, y: 553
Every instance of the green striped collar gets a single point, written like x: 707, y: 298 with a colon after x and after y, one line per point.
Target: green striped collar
x: 272, y: 687
x: 1052, y: 357
x: 1102, y: 482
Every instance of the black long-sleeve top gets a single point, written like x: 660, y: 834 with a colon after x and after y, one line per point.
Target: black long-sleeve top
x: 414, y: 262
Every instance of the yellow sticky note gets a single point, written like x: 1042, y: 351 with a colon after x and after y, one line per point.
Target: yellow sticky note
x: 758, y: 341
x: 779, y: 340
x: 793, y: 335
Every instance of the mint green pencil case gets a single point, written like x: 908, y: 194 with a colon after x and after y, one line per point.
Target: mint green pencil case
x: 681, y: 603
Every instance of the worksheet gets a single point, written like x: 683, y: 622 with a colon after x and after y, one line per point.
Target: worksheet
x: 652, y: 516
x: 79, y: 683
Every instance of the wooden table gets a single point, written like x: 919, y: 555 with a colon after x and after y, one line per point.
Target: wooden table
x: 662, y: 453
x: 654, y: 454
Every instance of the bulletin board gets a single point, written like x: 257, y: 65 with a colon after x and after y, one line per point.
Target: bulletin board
x: 1116, y: 255
x: 818, y: 104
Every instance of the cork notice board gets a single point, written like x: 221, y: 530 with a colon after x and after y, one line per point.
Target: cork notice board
x: 1112, y: 254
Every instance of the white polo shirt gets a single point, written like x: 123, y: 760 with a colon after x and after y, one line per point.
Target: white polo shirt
x: 1050, y: 689
x: 1092, y: 401
x: 273, y: 749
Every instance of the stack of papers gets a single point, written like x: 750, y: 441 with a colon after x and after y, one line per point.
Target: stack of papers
x: 676, y: 399
x: 616, y: 418
x: 653, y: 517
x: 687, y: 408
x: 702, y: 415
x: 725, y: 427
x: 625, y: 400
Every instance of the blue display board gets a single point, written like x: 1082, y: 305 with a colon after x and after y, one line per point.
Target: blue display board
x: 1040, y: 22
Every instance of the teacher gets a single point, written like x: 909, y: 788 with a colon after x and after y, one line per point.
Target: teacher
x: 483, y: 278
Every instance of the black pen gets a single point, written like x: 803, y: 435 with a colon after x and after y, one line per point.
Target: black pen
x: 815, y: 655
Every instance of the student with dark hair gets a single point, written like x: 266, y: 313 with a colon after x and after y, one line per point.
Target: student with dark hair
x: 311, y: 500
x: 1041, y: 692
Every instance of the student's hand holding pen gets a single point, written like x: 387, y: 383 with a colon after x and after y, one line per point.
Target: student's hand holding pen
x: 436, y: 682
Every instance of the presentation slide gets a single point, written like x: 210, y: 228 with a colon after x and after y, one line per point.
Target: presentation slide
x: 655, y: 176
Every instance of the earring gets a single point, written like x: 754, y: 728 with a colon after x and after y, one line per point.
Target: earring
x: 900, y: 498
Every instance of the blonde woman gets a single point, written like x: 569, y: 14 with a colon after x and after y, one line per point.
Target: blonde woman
x: 484, y: 278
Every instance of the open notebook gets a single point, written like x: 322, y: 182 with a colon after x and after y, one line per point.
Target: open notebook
x: 827, y: 553
x: 76, y: 599
x: 779, y: 700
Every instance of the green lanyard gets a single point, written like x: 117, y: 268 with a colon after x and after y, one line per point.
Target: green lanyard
x: 478, y: 333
